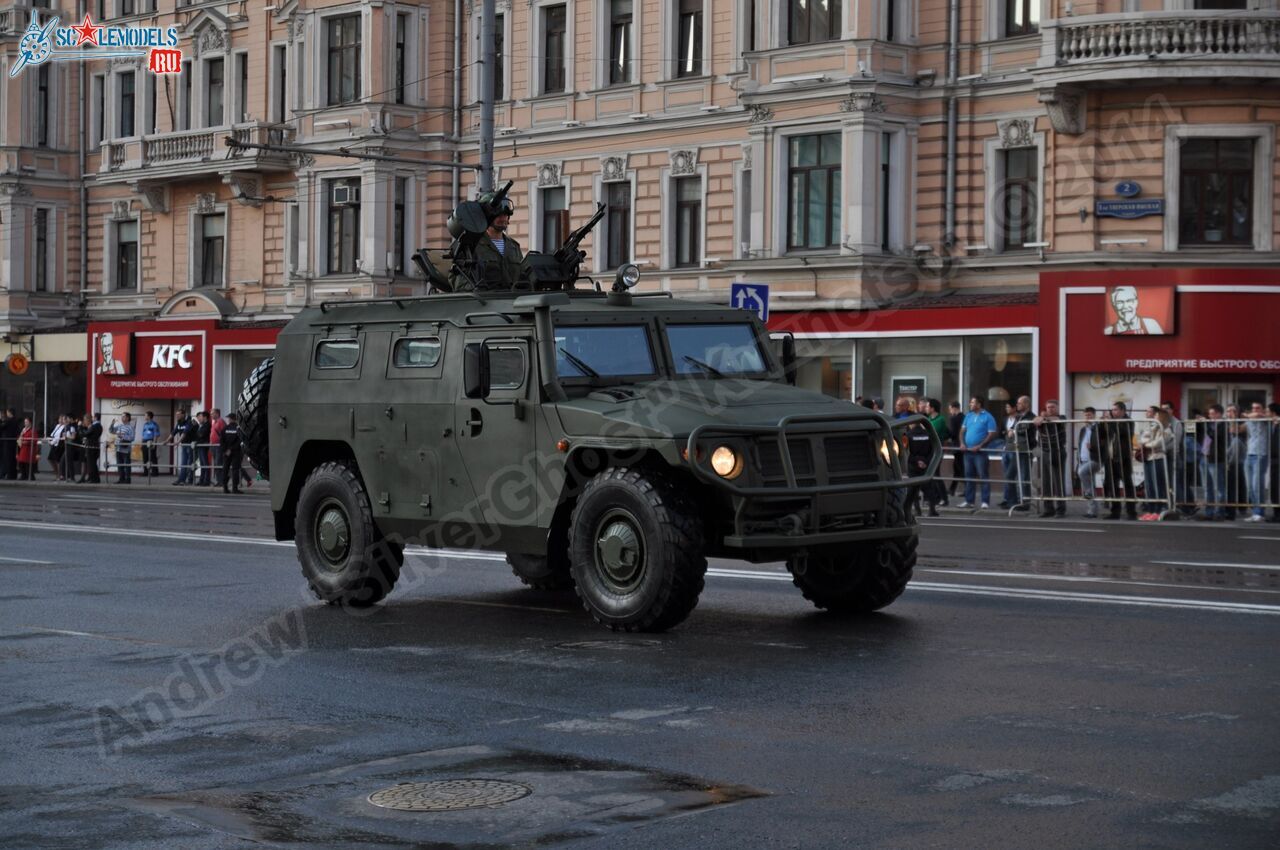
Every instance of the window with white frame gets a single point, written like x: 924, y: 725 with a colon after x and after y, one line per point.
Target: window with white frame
x: 617, y: 223
x: 1021, y: 17
x: 125, y: 272
x: 813, y: 21
x: 342, y: 205
x: 401, y: 53
x: 43, y: 104
x: 343, y: 41
x: 151, y: 118
x: 214, y: 91
x: 399, y: 247
x: 1020, y: 199
x: 554, y: 41
x: 688, y: 38
x: 1215, y: 198
x: 212, y: 247
x: 40, y: 262
x: 242, y: 87
x: 279, y: 83
x: 687, y: 218
x: 886, y: 189
x: 499, y: 57
x: 126, y: 104
x: 743, y: 217
x: 184, y: 109
x: 813, y: 191
x: 553, y: 218
x: 99, y: 94
x: 620, y: 41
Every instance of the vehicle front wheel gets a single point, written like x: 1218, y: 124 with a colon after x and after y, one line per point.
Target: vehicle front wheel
x: 861, y: 577
x: 637, y: 550
x: 344, y: 556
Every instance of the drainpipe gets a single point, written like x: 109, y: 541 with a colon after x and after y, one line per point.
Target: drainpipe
x: 457, y: 101
x: 84, y: 192
x: 953, y: 72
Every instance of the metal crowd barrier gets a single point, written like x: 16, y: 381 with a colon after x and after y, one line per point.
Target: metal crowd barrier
x: 192, y: 463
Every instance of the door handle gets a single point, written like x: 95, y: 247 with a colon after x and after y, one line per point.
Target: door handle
x: 475, y: 423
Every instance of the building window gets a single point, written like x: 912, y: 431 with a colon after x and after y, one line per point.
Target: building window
x: 41, y: 280
x: 343, y: 199
x: 619, y: 41
x: 280, y: 66
x: 153, y: 115
x: 1216, y: 193
x: 99, y: 109
x: 213, y: 89
x: 886, y: 162
x: 813, y: 21
x: 213, y: 232
x: 126, y: 8
x: 186, y: 95
x: 126, y: 106
x: 555, y: 219
x: 813, y: 176
x: 344, y: 59
x: 1019, y: 208
x: 553, y: 44
x: 618, y: 224
x: 42, y: 106
x: 402, y: 30
x: 689, y: 46
x: 242, y: 87
x: 1021, y: 17
x: 126, y: 271
x: 688, y: 221
x: 397, y: 225
x: 744, y: 214
x: 499, y: 61
x: 890, y: 20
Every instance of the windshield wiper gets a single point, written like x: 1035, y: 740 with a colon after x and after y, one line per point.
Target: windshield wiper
x: 706, y: 367
x: 580, y: 364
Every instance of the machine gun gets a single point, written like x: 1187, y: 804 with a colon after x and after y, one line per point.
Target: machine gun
x: 560, y: 270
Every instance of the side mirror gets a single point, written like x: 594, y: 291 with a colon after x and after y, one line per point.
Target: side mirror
x: 787, y: 355
x: 475, y: 370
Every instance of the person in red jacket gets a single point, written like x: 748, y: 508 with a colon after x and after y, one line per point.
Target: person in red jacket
x: 28, y: 450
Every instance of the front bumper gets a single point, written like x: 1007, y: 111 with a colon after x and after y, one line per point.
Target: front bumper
x: 811, y: 506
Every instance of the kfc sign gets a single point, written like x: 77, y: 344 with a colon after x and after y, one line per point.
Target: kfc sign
x: 165, y: 356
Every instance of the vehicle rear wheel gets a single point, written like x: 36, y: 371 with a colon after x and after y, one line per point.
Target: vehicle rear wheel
x: 637, y: 550
x: 252, y: 408
x: 345, y: 558
x: 541, y: 572
x: 864, y: 577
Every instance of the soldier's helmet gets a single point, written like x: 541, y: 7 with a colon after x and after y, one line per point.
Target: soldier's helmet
x: 493, y: 210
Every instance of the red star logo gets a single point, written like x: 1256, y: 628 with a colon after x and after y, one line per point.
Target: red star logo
x: 87, y: 32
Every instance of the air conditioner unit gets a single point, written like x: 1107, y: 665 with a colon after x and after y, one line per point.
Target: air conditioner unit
x: 345, y: 194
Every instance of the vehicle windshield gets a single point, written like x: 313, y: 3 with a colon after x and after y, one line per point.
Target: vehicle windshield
x: 716, y: 350
x: 603, y: 352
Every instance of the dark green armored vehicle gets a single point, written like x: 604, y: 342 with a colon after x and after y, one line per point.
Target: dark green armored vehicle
x: 607, y: 442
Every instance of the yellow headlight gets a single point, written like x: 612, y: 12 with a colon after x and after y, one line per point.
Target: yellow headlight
x: 726, y: 462
x: 884, y: 453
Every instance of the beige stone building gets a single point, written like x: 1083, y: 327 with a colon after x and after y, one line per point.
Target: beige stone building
x: 872, y: 162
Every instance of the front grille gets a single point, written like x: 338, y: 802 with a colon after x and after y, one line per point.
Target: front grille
x: 848, y: 457
x: 849, y: 454
x: 771, y: 459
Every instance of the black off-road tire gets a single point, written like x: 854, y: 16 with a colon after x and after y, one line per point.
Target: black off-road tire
x: 252, y: 409
x: 637, y: 550
x: 345, y: 558
x: 862, y: 577
x: 540, y: 572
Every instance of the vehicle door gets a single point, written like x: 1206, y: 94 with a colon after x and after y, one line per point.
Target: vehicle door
x: 416, y: 417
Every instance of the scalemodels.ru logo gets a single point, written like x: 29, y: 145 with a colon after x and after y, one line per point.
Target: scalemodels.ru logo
x: 52, y: 43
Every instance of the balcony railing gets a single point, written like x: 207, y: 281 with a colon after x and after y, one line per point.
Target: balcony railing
x: 1164, y: 35
x: 196, y: 151
x: 179, y: 147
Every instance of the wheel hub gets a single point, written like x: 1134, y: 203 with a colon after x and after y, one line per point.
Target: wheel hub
x: 620, y: 552
x: 333, y: 534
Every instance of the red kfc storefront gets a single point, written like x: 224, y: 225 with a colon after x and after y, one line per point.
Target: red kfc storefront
x: 166, y: 365
x: 1189, y: 336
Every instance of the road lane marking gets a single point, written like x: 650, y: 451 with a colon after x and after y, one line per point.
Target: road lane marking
x: 972, y: 590
x: 985, y: 525
x: 25, y: 560
x: 92, y: 635
x: 1219, y: 564
x: 1096, y: 579
x: 1247, y: 537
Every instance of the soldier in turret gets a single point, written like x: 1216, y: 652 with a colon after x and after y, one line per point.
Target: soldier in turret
x: 498, y: 257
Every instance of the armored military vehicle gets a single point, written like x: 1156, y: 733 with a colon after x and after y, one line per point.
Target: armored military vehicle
x: 605, y: 441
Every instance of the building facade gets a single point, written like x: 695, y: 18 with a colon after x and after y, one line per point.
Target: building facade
x: 915, y: 181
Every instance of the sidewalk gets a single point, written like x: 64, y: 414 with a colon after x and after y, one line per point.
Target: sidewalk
x: 162, y: 484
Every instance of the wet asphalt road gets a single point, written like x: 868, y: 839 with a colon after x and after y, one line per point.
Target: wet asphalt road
x: 1043, y: 683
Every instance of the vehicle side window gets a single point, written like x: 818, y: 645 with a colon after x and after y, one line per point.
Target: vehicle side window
x: 337, y: 354
x: 507, y: 366
x: 411, y: 353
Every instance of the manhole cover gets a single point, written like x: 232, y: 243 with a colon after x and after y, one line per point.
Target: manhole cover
x: 447, y: 795
x: 611, y: 645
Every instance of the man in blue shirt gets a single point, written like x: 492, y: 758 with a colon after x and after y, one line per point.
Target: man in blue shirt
x: 124, y: 448
x: 150, y: 453
x: 978, y: 430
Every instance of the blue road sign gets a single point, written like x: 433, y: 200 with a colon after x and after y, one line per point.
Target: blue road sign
x: 751, y: 296
x: 1129, y: 209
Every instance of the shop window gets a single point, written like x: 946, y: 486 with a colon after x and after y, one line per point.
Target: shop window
x: 998, y: 367
x: 813, y: 194
x: 554, y: 221
x: 344, y: 59
x: 1215, y: 197
x: 932, y: 364
x: 689, y: 38
x: 342, y: 198
x: 688, y: 221
x: 618, y: 224
x: 812, y: 21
